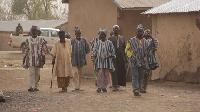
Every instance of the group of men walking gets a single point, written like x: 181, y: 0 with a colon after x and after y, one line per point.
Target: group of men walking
x: 111, y: 57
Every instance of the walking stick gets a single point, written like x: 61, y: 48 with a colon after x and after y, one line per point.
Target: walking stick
x: 53, y: 62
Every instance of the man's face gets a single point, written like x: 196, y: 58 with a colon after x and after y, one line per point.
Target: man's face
x: 78, y: 34
x: 34, y: 31
x: 140, y: 33
x: 116, y: 30
x: 102, y: 36
x: 62, y: 38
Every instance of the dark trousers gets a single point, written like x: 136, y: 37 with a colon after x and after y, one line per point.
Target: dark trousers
x: 137, y: 77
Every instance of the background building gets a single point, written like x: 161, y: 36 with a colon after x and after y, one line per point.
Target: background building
x: 176, y: 25
x: 90, y: 15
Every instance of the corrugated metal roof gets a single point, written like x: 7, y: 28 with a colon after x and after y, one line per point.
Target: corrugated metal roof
x: 136, y: 4
x: 26, y: 24
x: 176, y: 6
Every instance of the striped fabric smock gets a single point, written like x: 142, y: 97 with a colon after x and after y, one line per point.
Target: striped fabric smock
x: 140, y: 50
x: 153, y: 44
x: 34, y: 49
x: 104, y: 52
x: 94, y: 42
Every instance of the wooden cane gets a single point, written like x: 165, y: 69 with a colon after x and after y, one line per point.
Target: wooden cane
x: 52, y: 77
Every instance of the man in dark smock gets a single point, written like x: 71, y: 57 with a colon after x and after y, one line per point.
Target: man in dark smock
x: 80, y: 48
x: 119, y: 75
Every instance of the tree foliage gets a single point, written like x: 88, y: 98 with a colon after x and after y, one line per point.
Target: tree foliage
x: 5, y: 11
x: 34, y: 9
x: 18, y: 6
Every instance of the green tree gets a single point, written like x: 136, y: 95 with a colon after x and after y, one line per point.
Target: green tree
x: 33, y: 9
x: 6, y: 13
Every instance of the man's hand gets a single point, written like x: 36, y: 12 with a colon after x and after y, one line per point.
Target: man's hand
x: 126, y: 65
x: 53, y: 61
x: 92, y: 58
x: 126, y: 61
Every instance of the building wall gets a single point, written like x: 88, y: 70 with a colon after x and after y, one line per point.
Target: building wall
x: 178, y: 49
x: 90, y: 15
x: 4, y: 39
x: 128, y: 20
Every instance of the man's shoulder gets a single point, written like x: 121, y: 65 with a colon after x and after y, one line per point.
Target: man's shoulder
x: 132, y: 39
x: 145, y: 40
x: 40, y: 38
x: 96, y: 39
x: 72, y: 40
x: 28, y: 38
x: 67, y: 40
x: 108, y: 41
x: 121, y: 36
x: 83, y: 38
x: 111, y: 37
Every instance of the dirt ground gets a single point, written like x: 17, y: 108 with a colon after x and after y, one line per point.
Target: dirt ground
x: 160, y: 96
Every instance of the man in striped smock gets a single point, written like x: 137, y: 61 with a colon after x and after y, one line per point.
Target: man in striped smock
x: 103, y: 53
x: 136, y: 50
x: 34, y: 57
x: 151, y: 58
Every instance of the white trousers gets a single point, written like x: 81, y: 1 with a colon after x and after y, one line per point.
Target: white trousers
x: 34, y: 74
x: 77, y: 77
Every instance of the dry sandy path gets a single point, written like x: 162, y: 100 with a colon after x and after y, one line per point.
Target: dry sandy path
x: 161, y: 96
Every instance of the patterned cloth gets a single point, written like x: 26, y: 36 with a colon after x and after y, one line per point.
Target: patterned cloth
x: 79, y: 50
x: 140, y: 51
x: 153, y: 64
x: 104, y: 52
x: 140, y: 27
x: 63, y: 82
x: 105, y: 31
x: 103, y: 78
x: 151, y: 58
x: 95, y: 72
x: 146, y: 79
x: 94, y: 42
x: 128, y: 50
x: 34, y: 53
